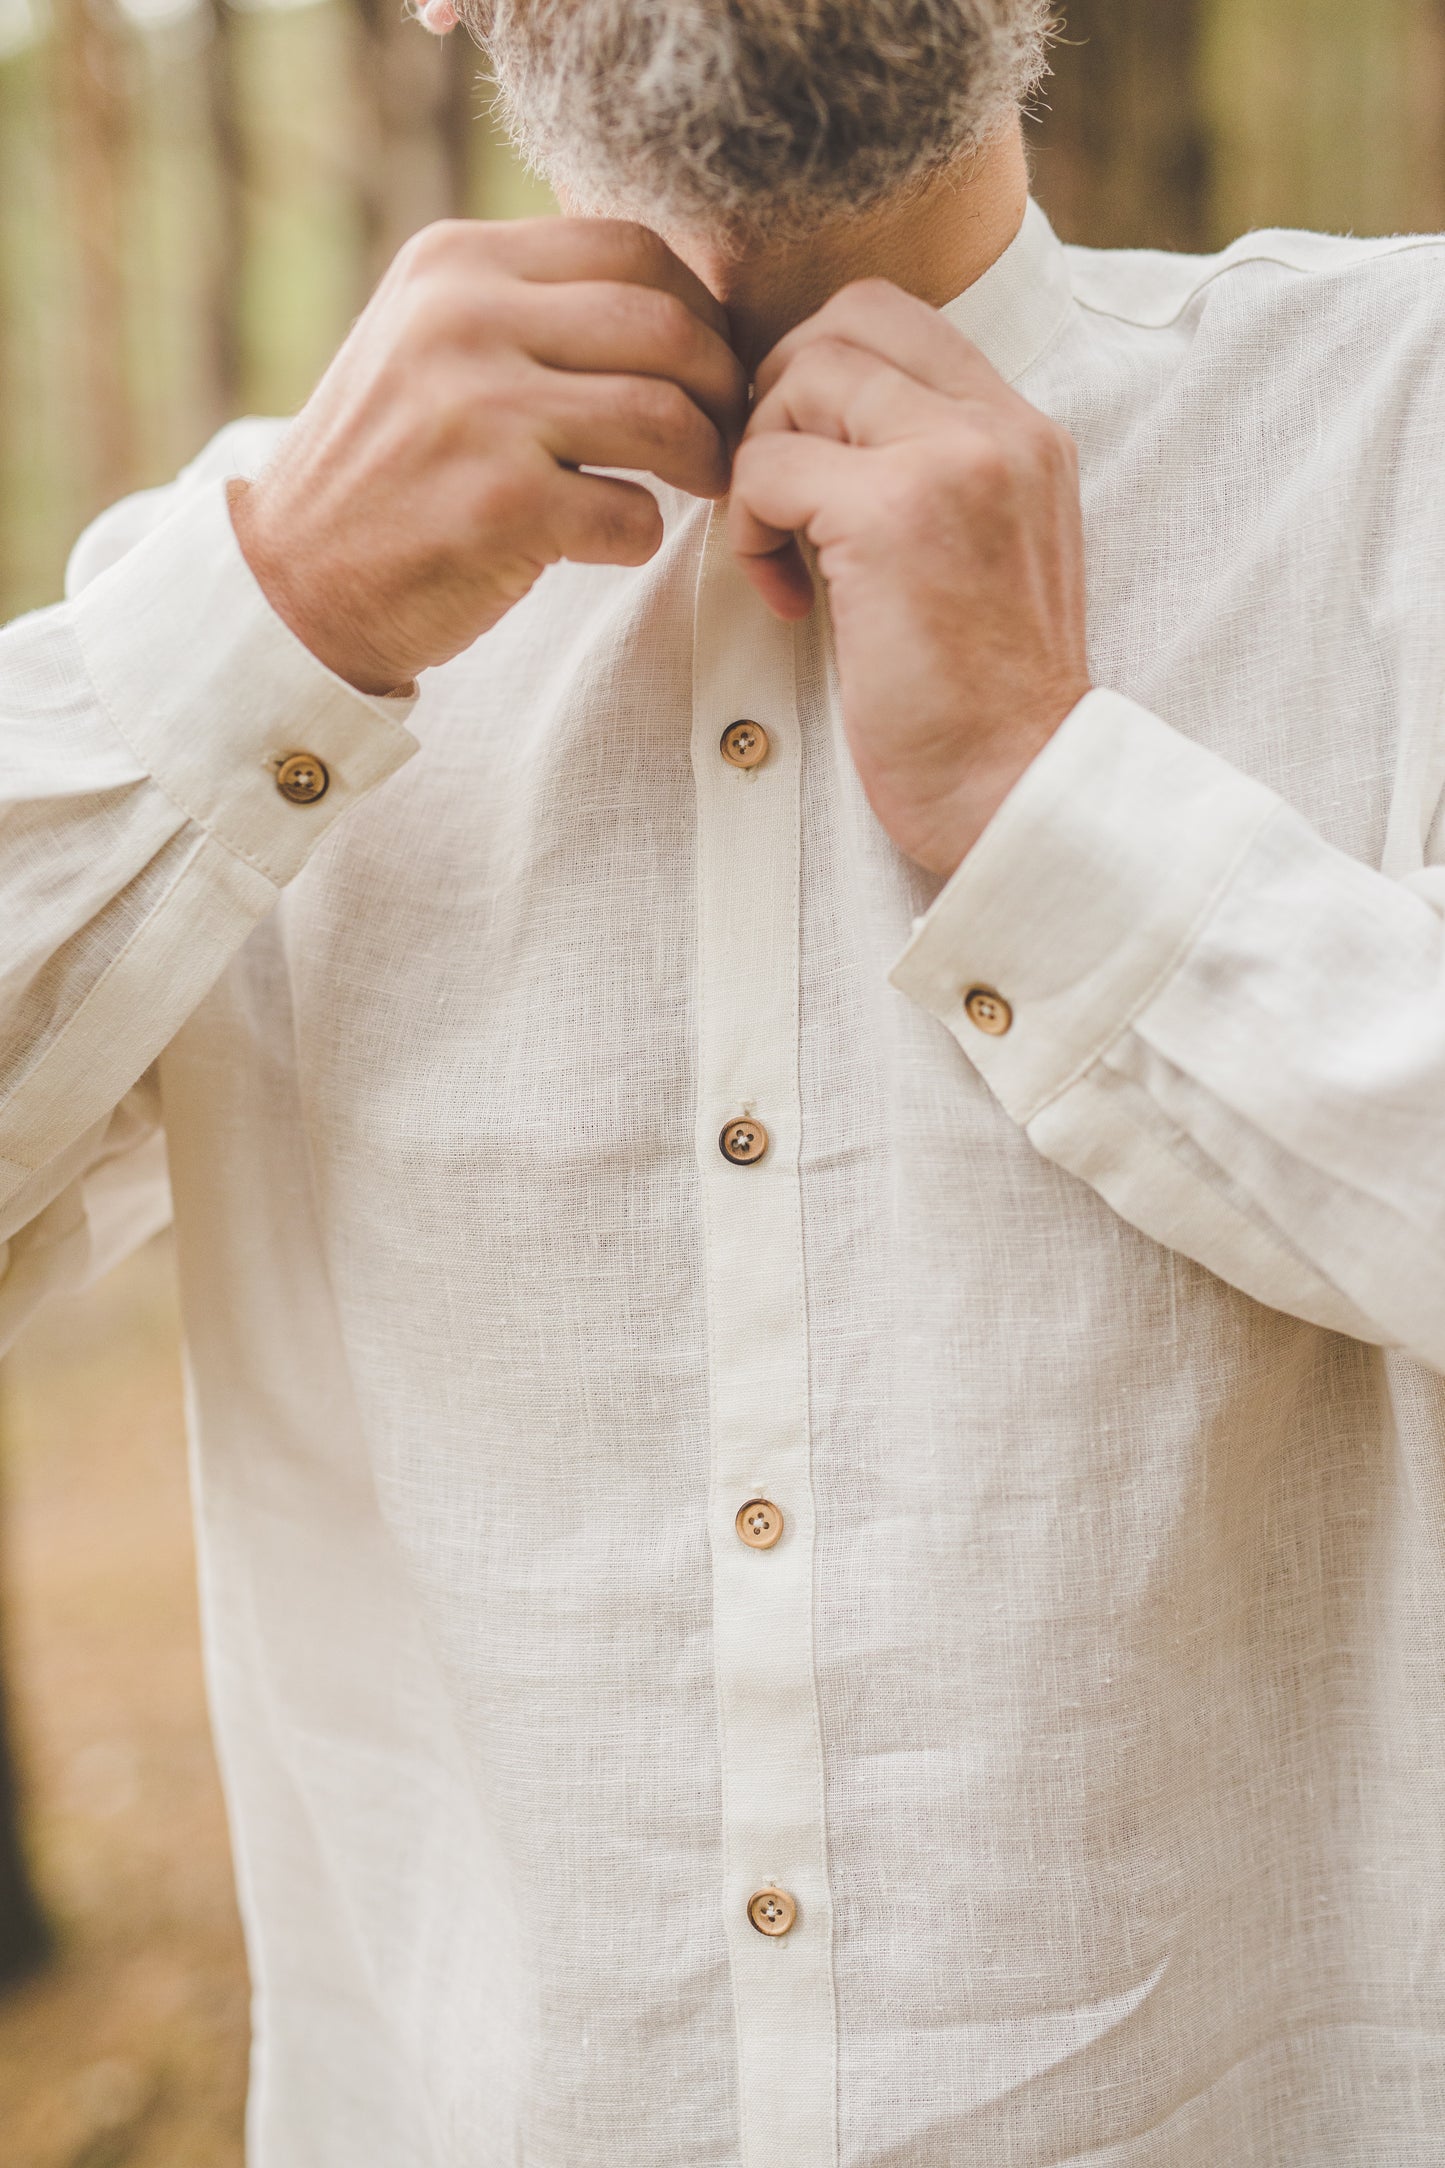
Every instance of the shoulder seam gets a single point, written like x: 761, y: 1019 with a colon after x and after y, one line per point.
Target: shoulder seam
x: 1390, y: 245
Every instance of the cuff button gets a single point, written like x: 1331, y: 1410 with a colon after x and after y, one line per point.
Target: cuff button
x: 988, y: 1010
x: 302, y: 778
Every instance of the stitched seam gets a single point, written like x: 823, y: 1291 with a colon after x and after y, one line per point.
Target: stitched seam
x: 1406, y: 244
x: 799, y: 1246
x: 1257, y: 1222
x: 60, y: 1042
x: 1165, y: 972
x: 189, y: 813
x: 710, y: 1302
x: 1048, y: 345
x: 1275, y: 1134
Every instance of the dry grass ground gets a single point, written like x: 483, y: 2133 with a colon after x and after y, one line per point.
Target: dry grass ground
x: 130, y: 2051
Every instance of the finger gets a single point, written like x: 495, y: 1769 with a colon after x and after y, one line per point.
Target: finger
x: 831, y: 389
x: 594, y: 519
x: 897, y: 327
x: 616, y: 329
x: 783, y: 581
x: 557, y: 249
x: 644, y: 422
x: 780, y: 485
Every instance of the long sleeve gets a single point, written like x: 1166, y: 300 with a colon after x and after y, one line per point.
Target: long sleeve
x: 1233, y: 1031
x: 143, y: 833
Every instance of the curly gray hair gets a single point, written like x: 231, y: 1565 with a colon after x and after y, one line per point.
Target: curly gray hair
x: 740, y: 116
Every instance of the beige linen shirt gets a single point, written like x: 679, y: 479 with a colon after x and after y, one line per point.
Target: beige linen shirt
x: 1087, y: 1719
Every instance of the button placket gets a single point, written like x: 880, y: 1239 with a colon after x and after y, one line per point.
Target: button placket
x: 772, y: 1911
x: 759, y: 1523
x: 743, y: 1143
x: 744, y: 745
x: 747, y: 1144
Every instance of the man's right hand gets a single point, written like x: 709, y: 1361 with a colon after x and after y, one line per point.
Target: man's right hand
x: 433, y: 474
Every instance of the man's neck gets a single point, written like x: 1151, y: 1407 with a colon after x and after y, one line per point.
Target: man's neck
x: 933, y: 243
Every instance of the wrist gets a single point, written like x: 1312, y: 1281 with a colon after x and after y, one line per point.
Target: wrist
x: 936, y: 815
x: 320, y: 629
x: 940, y: 832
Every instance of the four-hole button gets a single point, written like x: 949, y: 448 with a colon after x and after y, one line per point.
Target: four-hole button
x: 744, y: 744
x: 302, y: 778
x: 988, y: 1011
x: 743, y: 1142
x: 772, y: 1911
x: 759, y: 1523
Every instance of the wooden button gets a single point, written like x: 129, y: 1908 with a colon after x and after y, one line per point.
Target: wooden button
x: 745, y: 744
x: 772, y: 1911
x: 302, y: 778
x: 759, y: 1523
x: 744, y: 1143
x: 988, y: 1010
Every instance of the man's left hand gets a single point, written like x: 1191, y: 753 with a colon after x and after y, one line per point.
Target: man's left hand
x: 944, y: 511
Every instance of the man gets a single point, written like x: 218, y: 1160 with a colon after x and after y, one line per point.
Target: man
x: 809, y: 1179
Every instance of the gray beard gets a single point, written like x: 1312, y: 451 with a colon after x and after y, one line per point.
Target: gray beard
x: 749, y: 118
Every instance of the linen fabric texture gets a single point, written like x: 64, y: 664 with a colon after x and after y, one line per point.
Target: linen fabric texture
x: 1092, y: 1705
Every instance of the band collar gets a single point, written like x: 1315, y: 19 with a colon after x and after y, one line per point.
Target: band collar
x: 1019, y: 305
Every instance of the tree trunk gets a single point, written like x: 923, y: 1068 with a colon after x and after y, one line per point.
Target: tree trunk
x: 1325, y: 114
x: 23, y: 1938
x: 405, y: 172
x: 225, y: 279
x: 463, y: 98
x: 1122, y: 147
x: 96, y: 79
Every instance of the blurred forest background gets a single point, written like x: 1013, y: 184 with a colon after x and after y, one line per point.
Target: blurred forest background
x: 195, y: 197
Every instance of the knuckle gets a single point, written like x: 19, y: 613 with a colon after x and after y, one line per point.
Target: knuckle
x: 861, y: 301
x: 981, y: 464
x: 446, y: 328
x: 816, y: 366
x: 829, y: 351
x: 504, y: 498
x: 1035, y: 434
x: 1038, y: 443
x: 425, y: 318
x: 872, y: 292
x: 1060, y: 452
x: 631, y: 524
x: 660, y: 409
x: 436, y: 317
x: 674, y: 330
x: 635, y: 243
x: 657, y: 318
x: 906, y: 494
x: 431, y: 247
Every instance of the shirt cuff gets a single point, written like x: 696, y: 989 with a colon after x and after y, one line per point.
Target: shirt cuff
x: 212, y: 692
x: 1080, y: 898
